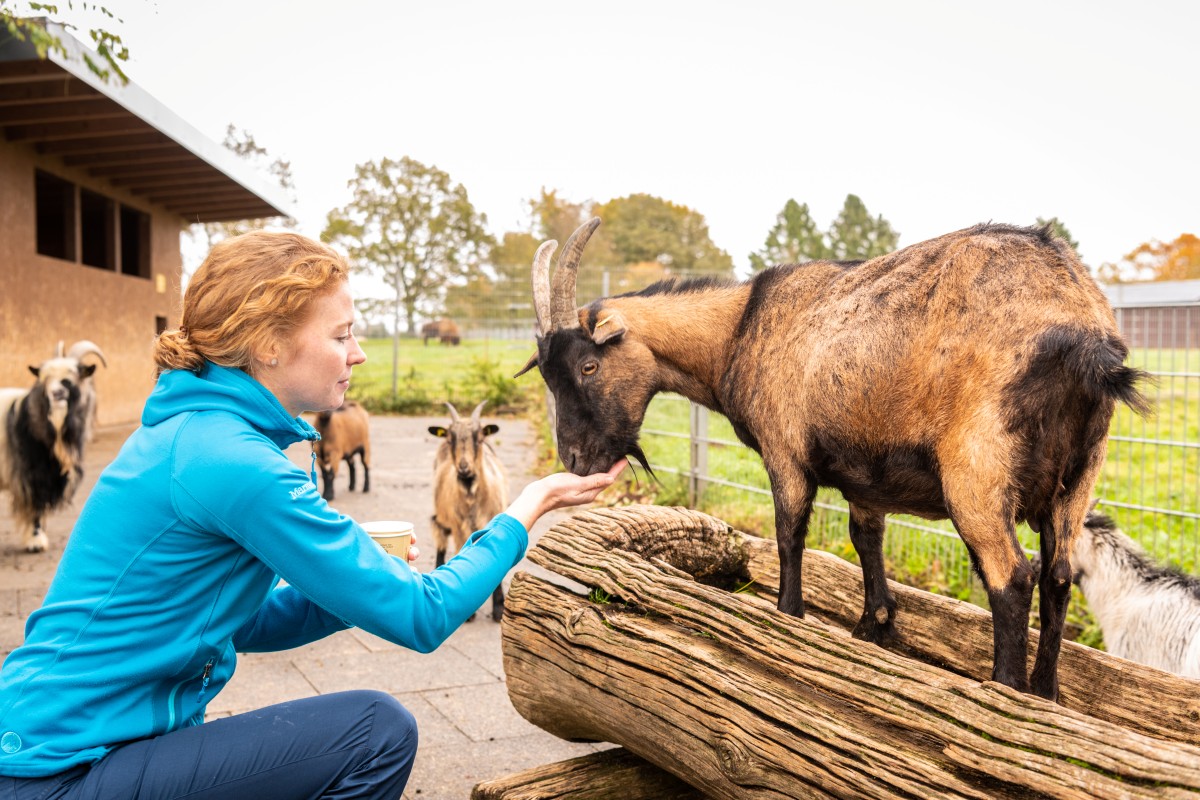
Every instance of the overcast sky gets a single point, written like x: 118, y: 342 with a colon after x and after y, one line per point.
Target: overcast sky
x: 937, y: 114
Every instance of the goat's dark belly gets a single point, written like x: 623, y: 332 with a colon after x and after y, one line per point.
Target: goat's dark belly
x: 904, y: 481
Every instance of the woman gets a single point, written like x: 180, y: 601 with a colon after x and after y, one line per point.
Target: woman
x: 174, y: 564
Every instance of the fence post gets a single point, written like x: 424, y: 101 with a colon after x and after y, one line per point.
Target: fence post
x: 698, y: 446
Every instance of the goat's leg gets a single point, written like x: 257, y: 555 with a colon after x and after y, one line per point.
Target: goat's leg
x: 498, y: 603
x: 350, y: 468
x: 879, y: 606
x: 364, y: 455
x: 793, y: 505
x: 327, y: 480
x: 36, y: 540
x: 991, y: 537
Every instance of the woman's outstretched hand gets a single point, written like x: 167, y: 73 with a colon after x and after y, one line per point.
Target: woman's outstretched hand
x: 560, y: 490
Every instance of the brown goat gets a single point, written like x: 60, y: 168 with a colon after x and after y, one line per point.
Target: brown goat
x: 972, y: 376
x: 345, y: 433
x: 469, y: 486
x: 444, y: 330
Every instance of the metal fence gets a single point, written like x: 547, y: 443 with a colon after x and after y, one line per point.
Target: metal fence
x: 1150, y: 484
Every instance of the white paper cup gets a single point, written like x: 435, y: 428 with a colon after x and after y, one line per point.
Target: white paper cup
x: 394, y: 536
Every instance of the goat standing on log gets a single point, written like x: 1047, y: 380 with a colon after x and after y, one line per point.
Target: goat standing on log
x: 43, y: 431
x: 469, y: 486
x: 1148, y: 613
x: 972, y: 376
x: 345, y: 433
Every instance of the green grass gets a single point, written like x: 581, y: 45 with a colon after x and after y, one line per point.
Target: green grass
x: 428, y: 376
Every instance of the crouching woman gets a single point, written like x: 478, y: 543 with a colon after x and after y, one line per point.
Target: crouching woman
x: 175, y: 564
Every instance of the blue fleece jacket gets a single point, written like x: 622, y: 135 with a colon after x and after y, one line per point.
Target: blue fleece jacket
x: 174, y: 566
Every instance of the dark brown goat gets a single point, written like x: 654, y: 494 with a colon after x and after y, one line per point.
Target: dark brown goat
x: 345, y: 433
x: 972, y: 376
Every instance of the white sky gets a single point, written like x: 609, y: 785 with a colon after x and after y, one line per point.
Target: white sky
x: 938, y: 114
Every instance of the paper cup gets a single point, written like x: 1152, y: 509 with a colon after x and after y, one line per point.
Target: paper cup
x: 394, y: 536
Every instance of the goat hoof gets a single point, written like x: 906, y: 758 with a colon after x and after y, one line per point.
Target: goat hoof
x: 497, y: 614
x: 37, y: 543
x: 868, y: 630
x: 470, y: 618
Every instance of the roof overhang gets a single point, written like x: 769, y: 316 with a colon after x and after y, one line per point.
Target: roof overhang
x: 122, y: 135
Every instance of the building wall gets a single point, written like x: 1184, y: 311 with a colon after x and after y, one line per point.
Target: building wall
x: 44, y: 300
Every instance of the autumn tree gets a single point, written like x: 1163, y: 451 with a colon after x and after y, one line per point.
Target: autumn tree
x: 856, y: 235
x: 1178, y: 260
x: 795, y: 239
x: 641, y: 228
x: 411, y: 226
x: 38, y: 24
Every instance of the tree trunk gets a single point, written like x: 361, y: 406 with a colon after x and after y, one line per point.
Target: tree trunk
x: 741, y: 701
x: 614, y: 774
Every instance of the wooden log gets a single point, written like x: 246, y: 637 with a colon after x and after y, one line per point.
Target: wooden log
x: 741, y: 701
x: 609, y: 774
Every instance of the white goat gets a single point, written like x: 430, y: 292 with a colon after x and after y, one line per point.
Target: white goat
x: 42, y: 434
x: 469, y: 486
x: 1148, y: 613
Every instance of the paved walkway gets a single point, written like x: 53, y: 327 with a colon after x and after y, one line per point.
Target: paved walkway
x: 469, y: 730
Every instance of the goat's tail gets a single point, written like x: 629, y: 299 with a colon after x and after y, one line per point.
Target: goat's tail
x: 1098, y: 363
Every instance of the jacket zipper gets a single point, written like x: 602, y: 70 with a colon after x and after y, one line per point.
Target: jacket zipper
x: 204, y: 685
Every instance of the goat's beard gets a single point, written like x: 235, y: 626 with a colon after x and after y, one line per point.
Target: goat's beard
x: 635, y: 452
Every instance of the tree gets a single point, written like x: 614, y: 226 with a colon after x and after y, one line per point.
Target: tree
x: 242, y: 143
x: 641, y: 228
x: 855, y: 235
x: 33, y: 25
x: 408, y: 224
x: 1178, y: 260
x: 1059, y: 229
x: 795, y: 239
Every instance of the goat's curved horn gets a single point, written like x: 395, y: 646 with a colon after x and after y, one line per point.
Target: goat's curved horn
x: 541, y: 285
x: 453, y: 411
x: 562, y: 301
x: 476, y: 412
x: 83, y: 348
x: 58, y: 351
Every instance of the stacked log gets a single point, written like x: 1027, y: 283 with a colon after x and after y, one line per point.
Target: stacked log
x: 676, y: 653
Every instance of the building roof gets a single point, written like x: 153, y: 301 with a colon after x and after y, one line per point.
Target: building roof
x: 1152, y: 293
x: 122, y: 135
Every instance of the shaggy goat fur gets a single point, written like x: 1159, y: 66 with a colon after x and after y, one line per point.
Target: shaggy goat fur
x: 1147, y: 612
x: 972, y: 376
x: 470, y: 486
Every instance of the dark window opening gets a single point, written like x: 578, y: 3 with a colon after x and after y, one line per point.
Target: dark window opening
x: 96, y: 228
x: 55, y: 201
x: 135, y: 242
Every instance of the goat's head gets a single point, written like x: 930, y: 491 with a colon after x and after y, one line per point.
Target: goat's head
x: 465, y: 442
x: 63, y: 377
x: 601, y: 379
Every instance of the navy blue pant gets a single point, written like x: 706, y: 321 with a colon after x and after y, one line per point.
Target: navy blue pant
x: 357, y: 744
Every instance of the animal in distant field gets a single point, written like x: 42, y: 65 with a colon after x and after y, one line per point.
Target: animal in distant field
x: 345, y: 433
x: 470, y: 486
x: 444, y: 330
x: 971, y: 376
x: 1147, y: 612
x: 43, y: 431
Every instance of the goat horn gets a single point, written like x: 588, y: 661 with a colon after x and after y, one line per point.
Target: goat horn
x: 83, y: 348
x: 478, y: 409
x: 541, y: 285
x: 453, y: 411
x: 58, y: 351
x: 562, y: 305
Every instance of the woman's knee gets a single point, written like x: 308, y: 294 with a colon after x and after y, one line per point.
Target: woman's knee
x: 393, y: 726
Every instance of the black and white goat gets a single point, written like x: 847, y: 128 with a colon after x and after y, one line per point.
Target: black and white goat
x: 43, y: 431
x: 1148, y: 613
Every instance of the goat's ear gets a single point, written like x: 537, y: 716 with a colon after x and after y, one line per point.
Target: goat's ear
x: 37, y: 371
x: 488, y: 430
x: 86, y: 370
x: 437, y: 430
x: 610, y: 325
x: 530, y: 364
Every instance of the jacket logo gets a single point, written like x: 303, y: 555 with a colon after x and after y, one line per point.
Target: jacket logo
x: 299, y: 490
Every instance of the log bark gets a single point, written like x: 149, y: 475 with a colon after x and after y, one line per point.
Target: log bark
x: 609, y: 774
x: 740, y: 701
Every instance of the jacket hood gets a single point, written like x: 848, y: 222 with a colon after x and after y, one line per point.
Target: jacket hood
x: 217, y: 388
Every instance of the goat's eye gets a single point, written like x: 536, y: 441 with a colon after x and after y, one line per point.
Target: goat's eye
x: 590, y: 367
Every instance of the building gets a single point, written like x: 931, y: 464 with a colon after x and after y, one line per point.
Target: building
x: 1157, y: 314
x: 97, y: 183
